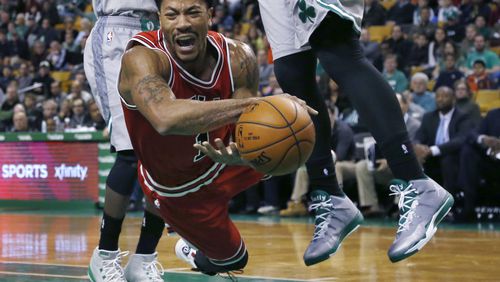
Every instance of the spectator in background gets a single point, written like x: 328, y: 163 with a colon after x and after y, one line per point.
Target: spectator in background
x: 5, y: 45
x: 455, y: 30
x: 97, y: 121
x: 85, y: 28
x: 482, y: 28
x: 21, y: 27
x: 64, y: 113
x: 439, y: 139
x: 419, y: 55
x: 19, y: 47
x: 265, y: 69
x: 79, y: 115
x: 449, y: 49
x: 35, y: 116
x: 7, y: 77
x: 414, y: 110
x: 370, y: 49
x: 446, y: 11
x: 56, y: 93
x: 374, y: 14
x: 420, y: 95
x: 479, y: 159
x: 400, y: 46
x: 479, y: 79
x: 38, y: 53
x: 470, y: 10
x: 401, y: 13
x: 420, y: 17
x: 20, y: 123
x: 49, y: 114
x: 24, y: 77
x: 4, y: 20
x: 57, y: 56
x: 221, y: 20
x: 44, y: 78
x: 78, y: 92
x: 69, y: 24
x: 47, y: 33
x: 80, y: 77
x: 436, y: 47
x: 11, y: 98
x: 467, y: 44
x: 49, y: 11
x: 450, y: 74
x: 465, y: 104
x: 425, y: 24
x: 396, y: 78
x: 480, y: 52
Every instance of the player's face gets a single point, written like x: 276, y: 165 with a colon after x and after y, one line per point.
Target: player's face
x: 184, y: 24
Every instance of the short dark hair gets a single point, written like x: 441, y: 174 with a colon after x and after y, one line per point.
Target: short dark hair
x: 208, y: 2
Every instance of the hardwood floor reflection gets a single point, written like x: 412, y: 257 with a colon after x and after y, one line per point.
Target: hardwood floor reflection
x: 275, y: 249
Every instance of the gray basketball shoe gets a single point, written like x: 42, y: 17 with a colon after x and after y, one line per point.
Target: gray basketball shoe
x: 422, y: 205
x: 336, y: 218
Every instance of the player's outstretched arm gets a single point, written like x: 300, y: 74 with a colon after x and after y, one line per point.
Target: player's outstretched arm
x: 142, y: 82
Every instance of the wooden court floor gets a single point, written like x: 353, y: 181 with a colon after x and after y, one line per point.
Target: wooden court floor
x: 56, y: 246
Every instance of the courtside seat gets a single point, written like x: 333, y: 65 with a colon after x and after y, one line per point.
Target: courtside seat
x: 487, y: 99
x: 379, y: 32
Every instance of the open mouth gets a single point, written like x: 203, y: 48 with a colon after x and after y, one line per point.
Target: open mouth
x: 185, y: 43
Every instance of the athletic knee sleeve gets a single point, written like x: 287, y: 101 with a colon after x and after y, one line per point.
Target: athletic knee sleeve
x: 123, y: 174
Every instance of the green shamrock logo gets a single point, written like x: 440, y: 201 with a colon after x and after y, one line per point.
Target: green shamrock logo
x: 306, y: 13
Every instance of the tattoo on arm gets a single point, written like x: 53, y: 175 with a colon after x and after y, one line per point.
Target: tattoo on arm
x: 150, y: 88
x: 248, y: 74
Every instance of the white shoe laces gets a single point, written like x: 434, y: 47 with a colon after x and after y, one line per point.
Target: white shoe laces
x: 154, y: 270
x: 112, y: 270
x: 407, y: 204
x: 322, y: 226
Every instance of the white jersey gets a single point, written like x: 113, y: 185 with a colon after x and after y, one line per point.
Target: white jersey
x: 133, y: 8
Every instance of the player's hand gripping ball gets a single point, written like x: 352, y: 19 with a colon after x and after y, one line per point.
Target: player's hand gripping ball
x: 276, y: 135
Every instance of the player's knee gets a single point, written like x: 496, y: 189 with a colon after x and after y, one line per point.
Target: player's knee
x: 123, y: 174
x: 211, y: 267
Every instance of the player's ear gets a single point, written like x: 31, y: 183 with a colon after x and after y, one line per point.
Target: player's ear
x: 210, y: 13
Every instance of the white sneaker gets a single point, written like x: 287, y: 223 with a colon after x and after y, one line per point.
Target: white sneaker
x: 268, y: 210
x: 144, y: 268
x: 185, y: 252
x: 105, y: 266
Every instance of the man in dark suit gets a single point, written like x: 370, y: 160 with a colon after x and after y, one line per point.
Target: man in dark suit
x: 480, y: 157
x: 440, y: 137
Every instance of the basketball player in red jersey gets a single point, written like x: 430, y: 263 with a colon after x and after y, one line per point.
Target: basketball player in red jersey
x: 183, y: 85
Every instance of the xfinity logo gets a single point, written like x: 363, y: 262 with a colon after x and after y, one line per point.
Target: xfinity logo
x: 66, y: 171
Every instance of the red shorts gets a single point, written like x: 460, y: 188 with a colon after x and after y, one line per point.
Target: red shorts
x: 202, y: 217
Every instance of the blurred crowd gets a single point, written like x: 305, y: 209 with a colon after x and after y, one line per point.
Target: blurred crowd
x: 437, y: 55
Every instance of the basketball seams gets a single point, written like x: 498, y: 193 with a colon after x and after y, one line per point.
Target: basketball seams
x: 290, y: 125
x: 263, y: 124
x: 286, y: 154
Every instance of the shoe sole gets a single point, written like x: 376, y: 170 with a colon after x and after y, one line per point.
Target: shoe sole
x: 430, y: 231
x: 350, y: 228
x: 89, y: 274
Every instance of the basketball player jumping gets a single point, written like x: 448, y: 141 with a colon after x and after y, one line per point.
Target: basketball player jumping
x: 183, y: 85
x: 302, y: 31
x: 117, y: 22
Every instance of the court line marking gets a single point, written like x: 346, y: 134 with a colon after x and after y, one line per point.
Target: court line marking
x: 43, y: 275
x: 181, y: 270
x: 187, y: 271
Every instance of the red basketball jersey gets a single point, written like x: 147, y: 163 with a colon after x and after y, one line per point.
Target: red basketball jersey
x: 170, y: 163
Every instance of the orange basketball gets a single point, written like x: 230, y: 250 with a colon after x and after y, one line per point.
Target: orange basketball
x: 276, y: 135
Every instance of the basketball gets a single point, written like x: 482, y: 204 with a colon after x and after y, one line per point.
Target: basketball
x: 276, y: 135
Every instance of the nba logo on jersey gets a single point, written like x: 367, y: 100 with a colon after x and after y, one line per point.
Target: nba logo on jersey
x: 109, y: 37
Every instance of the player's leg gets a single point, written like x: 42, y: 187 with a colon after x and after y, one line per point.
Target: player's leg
x: 335, y: 215
x: 342, y: 58
x: 143, y: 265
x: 106, y: 258
x: 102, y: 63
